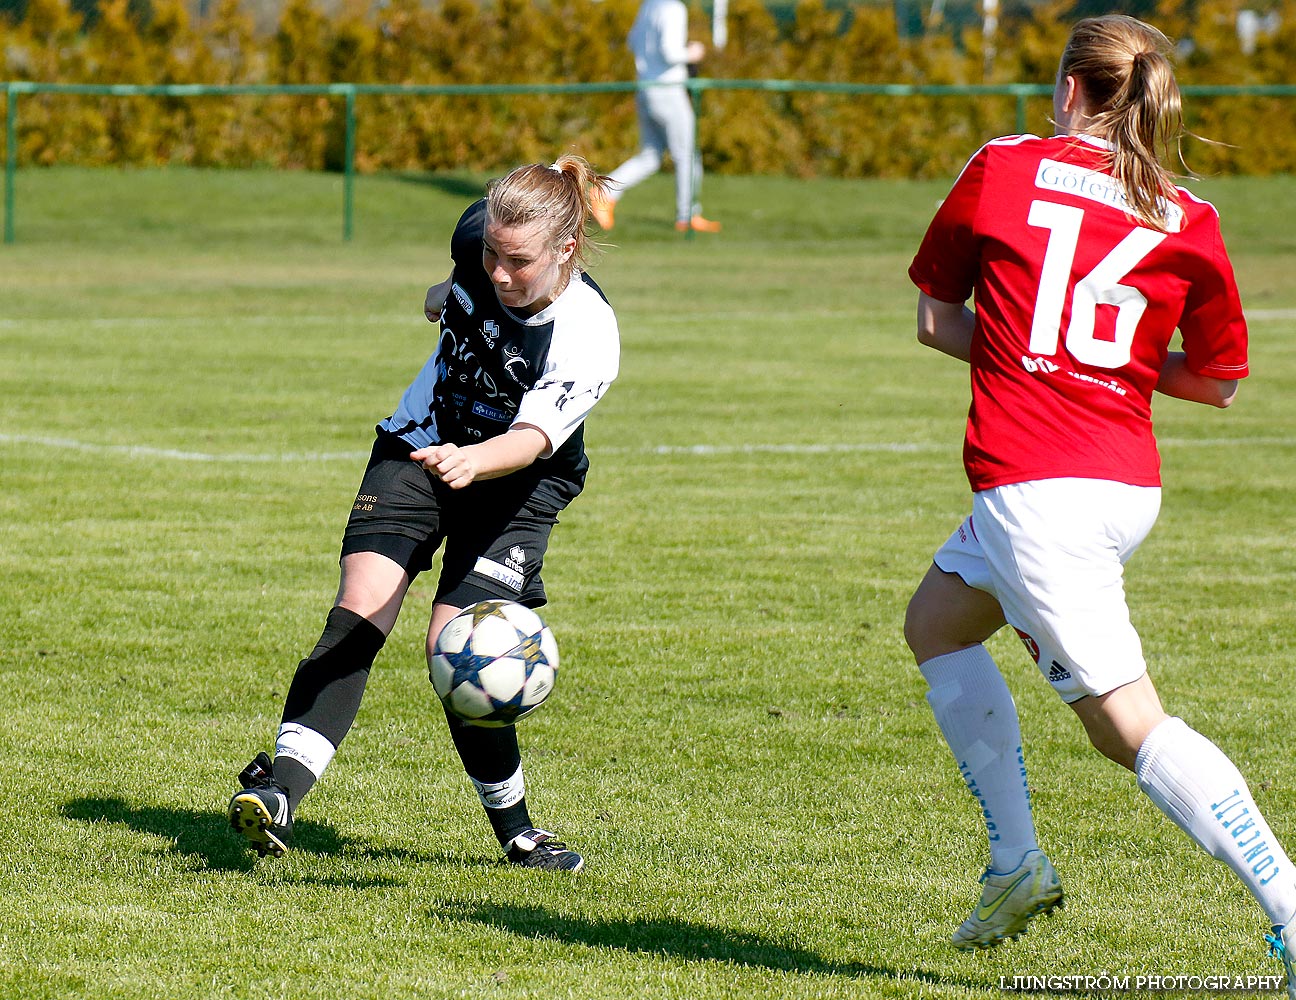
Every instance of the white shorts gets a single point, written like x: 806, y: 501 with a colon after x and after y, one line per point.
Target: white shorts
x: 1052, y: 552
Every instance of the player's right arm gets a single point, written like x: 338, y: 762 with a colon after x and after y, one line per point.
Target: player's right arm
x: 947, y: 264
x: 434, y: 302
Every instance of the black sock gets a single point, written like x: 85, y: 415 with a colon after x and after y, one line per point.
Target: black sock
x: 327, y: 688
x: 493, y: 762
x: 294, y: 778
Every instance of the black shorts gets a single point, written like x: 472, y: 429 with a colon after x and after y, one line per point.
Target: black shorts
x: 495, y: 531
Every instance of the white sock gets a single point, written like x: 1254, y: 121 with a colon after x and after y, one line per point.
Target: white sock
x: 304, y: 745
x: 1192, y: 781
x: 501, y: 794
x: 976, y: 714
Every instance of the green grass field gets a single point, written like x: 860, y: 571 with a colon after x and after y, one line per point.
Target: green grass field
x: 191, y: 365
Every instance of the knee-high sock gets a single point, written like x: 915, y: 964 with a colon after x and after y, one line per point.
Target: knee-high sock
x: 976, y: 714
x: 1193, y: 782
x: 323, y: 700
x: 494, y: 765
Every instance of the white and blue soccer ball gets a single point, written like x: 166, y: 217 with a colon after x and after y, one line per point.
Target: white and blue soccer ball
x: 494, y: 663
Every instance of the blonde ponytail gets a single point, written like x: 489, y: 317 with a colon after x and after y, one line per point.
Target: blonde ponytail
x: 1123, y: 67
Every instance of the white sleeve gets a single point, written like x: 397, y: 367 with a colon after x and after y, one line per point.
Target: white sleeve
x: 583, y: 360
x: 673, y: 32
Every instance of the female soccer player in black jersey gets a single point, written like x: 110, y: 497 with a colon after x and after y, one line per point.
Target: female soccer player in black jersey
x: 482, y: 452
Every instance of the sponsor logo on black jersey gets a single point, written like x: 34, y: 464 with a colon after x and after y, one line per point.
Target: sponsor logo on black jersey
x: 491, y: 331
x: 463, y: 298
x: 514, y: 364
x: 489, y: 412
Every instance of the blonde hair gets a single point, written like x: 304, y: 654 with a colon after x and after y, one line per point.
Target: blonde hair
x: 556, y: 196
x: 1122, y: 65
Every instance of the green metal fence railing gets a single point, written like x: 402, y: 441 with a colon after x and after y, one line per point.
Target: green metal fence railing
x: 348, y: 92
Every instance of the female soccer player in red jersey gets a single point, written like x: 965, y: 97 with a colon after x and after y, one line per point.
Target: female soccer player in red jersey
x: 1082, y: 258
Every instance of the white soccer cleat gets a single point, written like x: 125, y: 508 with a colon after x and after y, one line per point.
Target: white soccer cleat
x: 1282, y: 944
x: 1008, y: 902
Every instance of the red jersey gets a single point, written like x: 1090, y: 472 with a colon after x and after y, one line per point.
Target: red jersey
x: 1076, y: 304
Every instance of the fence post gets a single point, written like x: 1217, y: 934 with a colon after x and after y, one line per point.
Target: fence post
x: 348, y: 175
x: 11, y: 159
x: 695, y: 96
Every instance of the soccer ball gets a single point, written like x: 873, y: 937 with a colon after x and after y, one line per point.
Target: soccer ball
x: 494, y: 663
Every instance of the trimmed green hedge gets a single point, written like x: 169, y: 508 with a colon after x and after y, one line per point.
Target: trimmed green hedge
x: 520, y: 41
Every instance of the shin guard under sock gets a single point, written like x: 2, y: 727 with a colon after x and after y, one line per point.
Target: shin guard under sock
x: 1193, y: 782
x: 978, y: 719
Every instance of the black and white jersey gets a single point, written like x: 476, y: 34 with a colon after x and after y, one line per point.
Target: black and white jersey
x: 493, y: 368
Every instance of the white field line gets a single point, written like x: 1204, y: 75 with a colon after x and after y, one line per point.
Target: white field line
x: 392, y: 318
x: 699, y: 450
x: 769, y: 449
x: 108, y: 322
x: 146, y: 451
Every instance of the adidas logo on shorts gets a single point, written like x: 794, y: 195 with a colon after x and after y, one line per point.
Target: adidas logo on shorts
x: 1057, y: 673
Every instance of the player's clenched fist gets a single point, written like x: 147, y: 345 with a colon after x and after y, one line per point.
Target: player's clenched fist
x: 449, y: 463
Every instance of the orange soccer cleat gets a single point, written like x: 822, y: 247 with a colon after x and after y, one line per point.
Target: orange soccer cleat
x: 698, y: 225
x: 602, y: 208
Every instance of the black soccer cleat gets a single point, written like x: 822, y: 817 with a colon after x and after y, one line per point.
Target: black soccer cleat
x: 260, y: 812
x: 538, y: 849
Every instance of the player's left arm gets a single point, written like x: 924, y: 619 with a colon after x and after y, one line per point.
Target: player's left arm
x: 584, y: 357
x: 1180, y: 381
x: 583, y: 366
x: 457, y: 466
x: 1214, y: 332
x: 673, y: 36
x: 946, y: 326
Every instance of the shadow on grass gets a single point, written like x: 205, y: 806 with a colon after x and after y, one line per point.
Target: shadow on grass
x: 206, y: 834
x: 674, y: 938
x: 406, y: 856
x: 470, y: 188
